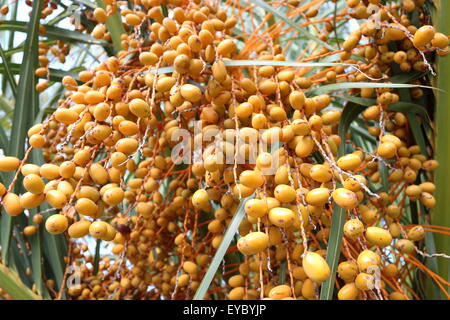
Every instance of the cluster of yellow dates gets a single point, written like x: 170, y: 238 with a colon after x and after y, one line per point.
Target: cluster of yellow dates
x: 109, y: 173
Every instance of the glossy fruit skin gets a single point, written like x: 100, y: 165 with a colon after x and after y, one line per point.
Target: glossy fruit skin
x: 110, y: 233
x: 316, y: 268
x: 347, y: 270
x: 226, y: 47
x: 393, y: 139
x: 2, y: 189
x: 191, y: 93
x: 79, y: 229
x: 393, y: 211
x: 317, y: 196
x: 353, y: 229
x: 301, y: 127
x: 9, y: 164
x: 98, y: 174
x: 299, y: 273
x: 113, y: 196
x: 86, y: 207
x: 242, y: 191
x: 66, y: 116
x: 349, y: 162
x: 56, y: 224
x: 56, y: 199
x: 423, y: 36
x: 390, y: 270
x: 297, y: 99
x: 98, y: 229
x: 29, y: 231
x: 440, y: 40
x: 236, y: 293
x: 367, y: 260
x: 348, y: 292
x: 236, y: 281
x: 11, y: 203
x: 200, y: 199
x: 413, y: 191
x: 251, y: 179
x: 345, y: 198
x: 301, y: 213
x: 378, y: 236
x: 29, y: 169
x: 282, y: 217
x: 253, y: 243
x: 365, y: 281
x: 127, y: 145
x: 285, y: 193
x: 387, y: 150
x: 372, y: 113
x: 428, y: 187
x: 320, y: 173
x: 244, y: 110
x: 256, y: 208
x: 49, y: 171
x: 427, y: 200
x: 304, y: 146
x: 280, y: 292
x: 190, y: 267
x: 308, y: 289
x: 37, y: 141
x: 30, y: 200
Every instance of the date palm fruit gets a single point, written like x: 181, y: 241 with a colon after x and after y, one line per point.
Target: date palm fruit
x: 368, y: 260
x: 200, y: 199
x: 317, y: 196
x: 280, y: 292
x: 79, y: 229
x: 348, y: 292
x: 253, y: 243
x: 11, y: 204
x: 56, y: 224
x: 9, y: 164
x: 345, y: 198
x: 416, y: 233
x: 405, y: 246
x: 184, y: 71
x: 285, y: 193
x: 251, y: 179
x: 347, y: 271
x: 256, y: 208
x: 98, y: 229
x: 33, y: 183
x: 282, y: 217
x: 378, y: 236
x: 315, y: 266
x: 349, y: 162
x: 353, y: 229
x: 424, y: 35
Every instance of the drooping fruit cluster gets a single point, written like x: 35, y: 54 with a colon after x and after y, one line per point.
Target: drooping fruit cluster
x: 259, y: 135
